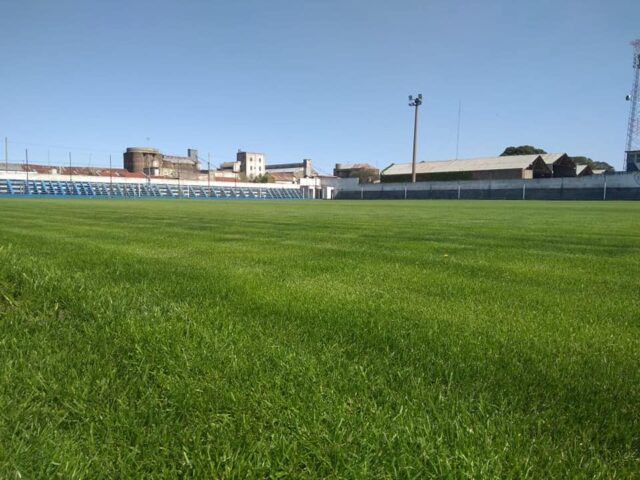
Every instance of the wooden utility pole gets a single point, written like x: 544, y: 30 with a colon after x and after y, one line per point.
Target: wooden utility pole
x: 26, y: 159
x: 110, y: 178
x: 179, y: 186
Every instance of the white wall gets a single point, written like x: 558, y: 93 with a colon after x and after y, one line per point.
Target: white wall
x: 100, y: 179
x: 619, y: 180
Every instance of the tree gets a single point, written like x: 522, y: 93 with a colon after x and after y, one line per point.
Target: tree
x: 521, y: 150
x: 365, y: 175
x: 582, y: 161
x: 266, y: 178
x: 604, y: 166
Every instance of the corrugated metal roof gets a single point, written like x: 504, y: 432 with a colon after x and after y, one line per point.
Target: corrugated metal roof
x: 580, y: 168
x: 465, y: 165
x: 551, y: 158
x: 73, y: 170
x: 285, y: 166
x: 284, y: 169
x: 282, y: 176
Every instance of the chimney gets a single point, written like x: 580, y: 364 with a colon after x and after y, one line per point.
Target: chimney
x: 308, y: 171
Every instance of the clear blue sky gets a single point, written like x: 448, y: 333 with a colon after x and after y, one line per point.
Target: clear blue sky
x: 326, y: 80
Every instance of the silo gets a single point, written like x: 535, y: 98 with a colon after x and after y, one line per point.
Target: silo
x: 141, y: 159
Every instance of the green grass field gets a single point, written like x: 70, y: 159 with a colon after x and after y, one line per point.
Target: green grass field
x: 177, y: 338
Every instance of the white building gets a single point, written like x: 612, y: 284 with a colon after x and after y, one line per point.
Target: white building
x: 251, y: 164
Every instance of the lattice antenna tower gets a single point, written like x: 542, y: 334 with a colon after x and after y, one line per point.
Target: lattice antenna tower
x: 632, y: 156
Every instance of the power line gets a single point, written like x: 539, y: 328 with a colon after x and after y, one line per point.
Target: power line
x: 65, y: 147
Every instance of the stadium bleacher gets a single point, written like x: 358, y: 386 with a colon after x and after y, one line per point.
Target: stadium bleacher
x: 54, y: 188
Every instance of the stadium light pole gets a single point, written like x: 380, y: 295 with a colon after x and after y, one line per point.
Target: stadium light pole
x: 415, y: 102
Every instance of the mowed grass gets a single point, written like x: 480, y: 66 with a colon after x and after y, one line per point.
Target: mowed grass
x: 445, y: 339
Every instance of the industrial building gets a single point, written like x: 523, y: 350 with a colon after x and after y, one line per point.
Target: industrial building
x: 251, y: 164
x: 247, y: 165
x: 151, y: 162
x: 233, y: 167
x: 365, y: 172
x: 484, y: 168
x: 584, y: 170
x: 561, y: 164
x: 297, y: 170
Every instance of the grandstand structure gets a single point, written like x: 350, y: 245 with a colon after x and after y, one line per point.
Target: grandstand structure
x: 22, y: 184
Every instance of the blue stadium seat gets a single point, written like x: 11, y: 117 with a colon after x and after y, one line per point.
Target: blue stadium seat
x: 143, y: 190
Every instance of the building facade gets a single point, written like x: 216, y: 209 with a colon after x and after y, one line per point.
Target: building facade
x: 299, y: 170
x: 561, y: 164
x: 151, y: 162
x: 633, y: 160
x: 250, y: 164
x: 484, y: 168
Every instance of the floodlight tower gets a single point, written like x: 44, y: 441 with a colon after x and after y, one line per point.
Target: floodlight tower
x: 415, y: 102
x: 632, y: 157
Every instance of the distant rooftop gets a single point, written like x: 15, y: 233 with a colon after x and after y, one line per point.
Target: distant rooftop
x: 466, y: 165
x: 551, y: 158
x: 354, y: 166
x: 143, y: 150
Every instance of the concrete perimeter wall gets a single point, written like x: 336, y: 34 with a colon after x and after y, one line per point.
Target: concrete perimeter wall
x: 619, y: 186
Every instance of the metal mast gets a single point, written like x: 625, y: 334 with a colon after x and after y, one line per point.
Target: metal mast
x: 632, y: 157
x: 415, y: 102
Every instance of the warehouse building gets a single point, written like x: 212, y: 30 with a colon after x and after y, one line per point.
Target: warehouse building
x: 583, y: 170
x: 484, y: 168
x: 298, y: 170
x: 561, y: 164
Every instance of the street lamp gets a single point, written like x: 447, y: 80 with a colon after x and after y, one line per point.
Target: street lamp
x: 415, y: 102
